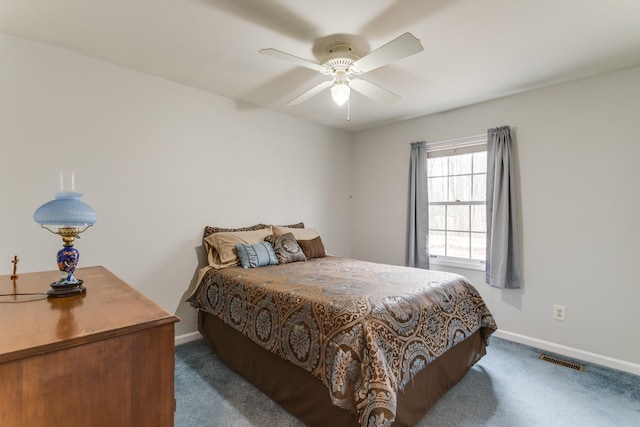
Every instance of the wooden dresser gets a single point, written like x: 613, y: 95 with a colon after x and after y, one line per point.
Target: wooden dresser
x: 103, y: 358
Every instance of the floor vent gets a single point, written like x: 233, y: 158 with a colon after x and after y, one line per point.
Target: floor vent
x: 561, y: 362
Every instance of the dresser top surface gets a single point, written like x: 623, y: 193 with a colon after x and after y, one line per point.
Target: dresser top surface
x: 31, y: 324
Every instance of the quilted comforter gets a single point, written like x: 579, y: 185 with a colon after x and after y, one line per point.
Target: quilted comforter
x: 363, y: 329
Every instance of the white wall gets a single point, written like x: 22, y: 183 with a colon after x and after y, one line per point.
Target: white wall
x: 577, y: 148
x: 157, y: 161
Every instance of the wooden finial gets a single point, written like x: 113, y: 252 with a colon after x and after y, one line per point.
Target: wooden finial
x: 14, y: 276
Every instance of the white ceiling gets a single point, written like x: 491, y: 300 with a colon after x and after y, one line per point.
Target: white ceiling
x: 474, y: 50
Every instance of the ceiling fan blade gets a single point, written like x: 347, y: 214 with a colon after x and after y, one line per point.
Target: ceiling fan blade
x: 398, y: 48
x: 311, y: 92
x: 269, y: 15
x: 275, y: 53
x: 374, y: 92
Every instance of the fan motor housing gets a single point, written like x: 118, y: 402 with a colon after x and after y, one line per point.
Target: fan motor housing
x: 340, y: 50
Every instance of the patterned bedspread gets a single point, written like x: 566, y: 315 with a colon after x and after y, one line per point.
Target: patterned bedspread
x: 364, y: 329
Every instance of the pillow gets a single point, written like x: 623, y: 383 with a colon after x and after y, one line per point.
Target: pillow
x: 223, y: 245
x: 296, y: 225
x: 210, y: 230
x: 299, y: 233
x: 286, y: 248
x: 312, y: 248
x: 256, y: 255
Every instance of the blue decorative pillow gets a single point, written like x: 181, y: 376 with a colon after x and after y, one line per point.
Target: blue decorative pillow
x: 256, y: 255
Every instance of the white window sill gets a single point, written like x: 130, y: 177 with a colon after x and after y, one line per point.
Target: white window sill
x: 458, y: 263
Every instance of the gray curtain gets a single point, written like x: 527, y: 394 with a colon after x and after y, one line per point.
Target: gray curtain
x: 502, y: 267
x: 418, y: 212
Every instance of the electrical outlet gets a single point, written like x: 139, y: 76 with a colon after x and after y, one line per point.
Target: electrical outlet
x: 560, y: 312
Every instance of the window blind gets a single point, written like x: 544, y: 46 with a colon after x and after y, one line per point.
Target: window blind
x: 471, y: 144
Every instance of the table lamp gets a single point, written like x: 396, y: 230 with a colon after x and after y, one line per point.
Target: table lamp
x: 67, y: 216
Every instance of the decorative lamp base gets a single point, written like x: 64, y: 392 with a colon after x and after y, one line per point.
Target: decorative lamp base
x: 66, y: 290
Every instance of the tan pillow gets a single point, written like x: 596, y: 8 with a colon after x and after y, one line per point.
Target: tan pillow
x: 208, y: 230
x: 298, y: 233
x: 223, y: 245
x: 313, y: 248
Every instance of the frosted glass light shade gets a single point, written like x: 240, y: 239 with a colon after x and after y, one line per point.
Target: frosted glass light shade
x: 340, y: 93
x: 66, y: 210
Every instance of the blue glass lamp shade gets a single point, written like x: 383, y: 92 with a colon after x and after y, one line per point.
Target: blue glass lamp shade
x: 71, y: 217
x: 66, y: 210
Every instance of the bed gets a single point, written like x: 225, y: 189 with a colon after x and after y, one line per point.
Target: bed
x: 337, y: 341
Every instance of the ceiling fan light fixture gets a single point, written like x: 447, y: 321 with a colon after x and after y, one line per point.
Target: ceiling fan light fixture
x: 340, y: 92
x: 342, y: 64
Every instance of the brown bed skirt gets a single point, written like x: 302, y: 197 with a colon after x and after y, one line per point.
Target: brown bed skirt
x: 308, y: 399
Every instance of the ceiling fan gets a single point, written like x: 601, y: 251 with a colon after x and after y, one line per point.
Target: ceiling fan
x: 342, y: 65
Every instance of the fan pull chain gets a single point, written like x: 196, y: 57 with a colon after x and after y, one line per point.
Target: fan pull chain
x: 349, y: 109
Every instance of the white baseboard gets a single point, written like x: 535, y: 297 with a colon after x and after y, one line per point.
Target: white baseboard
x: 185, y: 338
x: 609, y: 362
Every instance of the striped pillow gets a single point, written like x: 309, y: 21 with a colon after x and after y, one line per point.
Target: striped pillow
x: 256, y: 255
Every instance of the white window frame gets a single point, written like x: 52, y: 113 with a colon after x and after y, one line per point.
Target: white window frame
x: 447, y: 148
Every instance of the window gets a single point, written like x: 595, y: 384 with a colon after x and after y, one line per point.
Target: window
x: 457, y: 176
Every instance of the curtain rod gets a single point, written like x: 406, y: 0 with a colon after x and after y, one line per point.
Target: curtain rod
x: 459, y: 141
